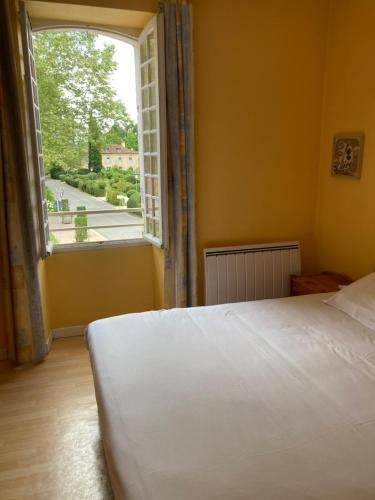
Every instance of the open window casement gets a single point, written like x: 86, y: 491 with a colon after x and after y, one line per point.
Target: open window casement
x: 35, y: 153
x: 151, y: 130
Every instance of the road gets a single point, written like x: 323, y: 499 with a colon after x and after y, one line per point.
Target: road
x: 77, y: 198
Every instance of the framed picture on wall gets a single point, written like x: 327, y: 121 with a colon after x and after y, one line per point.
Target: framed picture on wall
x: 347, y: 155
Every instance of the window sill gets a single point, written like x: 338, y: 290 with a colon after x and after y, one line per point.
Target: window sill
x: 84, y: 247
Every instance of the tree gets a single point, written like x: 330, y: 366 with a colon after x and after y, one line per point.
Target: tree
x: 95, y: 157
x: 123, y: 130
x: 74, y: 82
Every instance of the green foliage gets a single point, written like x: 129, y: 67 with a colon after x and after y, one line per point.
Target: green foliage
x: 95, y: 158
x: 55, y: 171
x: 131, y: 179
x: 51, y: 199
x: 134, y: 201
x: 65, y: 205
x: 80, y: 221
x: 112, y: 196
x: 130, y: 192
x: 123, y: 130
x: 74, y: 83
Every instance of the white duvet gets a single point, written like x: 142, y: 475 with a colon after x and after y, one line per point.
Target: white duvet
x: 266, y: 400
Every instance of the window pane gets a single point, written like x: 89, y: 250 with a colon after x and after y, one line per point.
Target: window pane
x: 144, y: 75
x: 152, y: 100
x: 153, y: 143
x: 147, y: 163
x: 154, y: 165
x: 146, y: 142
x: 148, y: 207
x: 155, y: 186
x: 145, y: 100
x: 155, y: 207
x: 146, y: 120
x: 151, y: 44
x: 148, y: 187
x: 153, y: 119
x: 152, y: 71
x: 149, y: 226
x: 143, y: 51
x: 156, y: 229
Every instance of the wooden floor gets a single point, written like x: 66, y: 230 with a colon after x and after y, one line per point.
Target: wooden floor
x: 49, y: 437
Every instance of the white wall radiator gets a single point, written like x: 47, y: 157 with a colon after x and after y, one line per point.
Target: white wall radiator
x: 250, y: 272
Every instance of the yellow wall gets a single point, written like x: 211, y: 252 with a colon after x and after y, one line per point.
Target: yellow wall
x: 345, y: 229
x: 85, y: 286
x: 258, y: 91
x: 263, y: 100
x: 42, y: 272
x: 158, y: 262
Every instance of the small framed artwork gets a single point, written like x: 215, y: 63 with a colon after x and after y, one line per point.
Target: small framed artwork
x: 347, y: 155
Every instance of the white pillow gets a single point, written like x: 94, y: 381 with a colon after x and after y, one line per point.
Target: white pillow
x: 357, y: 300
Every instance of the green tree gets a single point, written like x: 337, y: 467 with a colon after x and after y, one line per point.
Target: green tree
x: 124, y: 129
x: 74, y: 82
x: 95, y: 157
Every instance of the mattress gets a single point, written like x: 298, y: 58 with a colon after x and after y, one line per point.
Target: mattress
x: 266, y: 400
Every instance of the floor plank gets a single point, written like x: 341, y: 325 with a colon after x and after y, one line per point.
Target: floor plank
x: 50, y: 445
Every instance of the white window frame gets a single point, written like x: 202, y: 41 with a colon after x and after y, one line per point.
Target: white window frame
x: 35, y: 133
x: 158, y: 23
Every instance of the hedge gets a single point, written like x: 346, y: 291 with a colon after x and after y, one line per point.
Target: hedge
x: 79, y: 222
x: 134, y: 201
x: 112, y: 196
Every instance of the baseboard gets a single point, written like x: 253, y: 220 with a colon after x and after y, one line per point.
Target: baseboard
x: 3, y: 354
x: 69, y: 331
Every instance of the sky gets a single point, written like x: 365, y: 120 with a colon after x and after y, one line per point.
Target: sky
x: 123, y: 79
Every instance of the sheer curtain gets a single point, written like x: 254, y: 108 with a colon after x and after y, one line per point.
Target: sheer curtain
x: 180, y: 256
x: 20, y: 301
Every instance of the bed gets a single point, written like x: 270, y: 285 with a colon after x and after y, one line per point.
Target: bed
x: 266, y: 400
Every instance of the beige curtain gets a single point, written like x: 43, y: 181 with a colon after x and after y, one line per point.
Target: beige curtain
x: 20, y: 300
x: 180, y: 255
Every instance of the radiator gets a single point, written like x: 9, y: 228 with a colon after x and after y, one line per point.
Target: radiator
x: 250, y: 272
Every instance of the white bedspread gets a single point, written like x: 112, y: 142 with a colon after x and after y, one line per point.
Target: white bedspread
x: 267, y: 400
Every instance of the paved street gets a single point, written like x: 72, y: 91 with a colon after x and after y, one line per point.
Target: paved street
x: 77, y: 198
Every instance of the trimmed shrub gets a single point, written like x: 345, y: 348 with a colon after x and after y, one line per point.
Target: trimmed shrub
x: 130, y: 178
x: 130, y: 192
x: 112, y: 197
x: 80, y: 221
x: 64, y: 205
x: 55, y: 171
x: 82, y: 185
x: 134, y: 200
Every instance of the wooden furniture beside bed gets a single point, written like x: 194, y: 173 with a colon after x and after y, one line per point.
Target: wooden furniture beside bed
x: 318, y: 283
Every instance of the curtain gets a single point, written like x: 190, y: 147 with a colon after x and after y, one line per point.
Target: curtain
x: 180, y: 252
x: 20, y: 300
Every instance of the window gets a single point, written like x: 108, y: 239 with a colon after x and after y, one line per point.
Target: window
x: 148, y: 181
x: 152, y: 146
